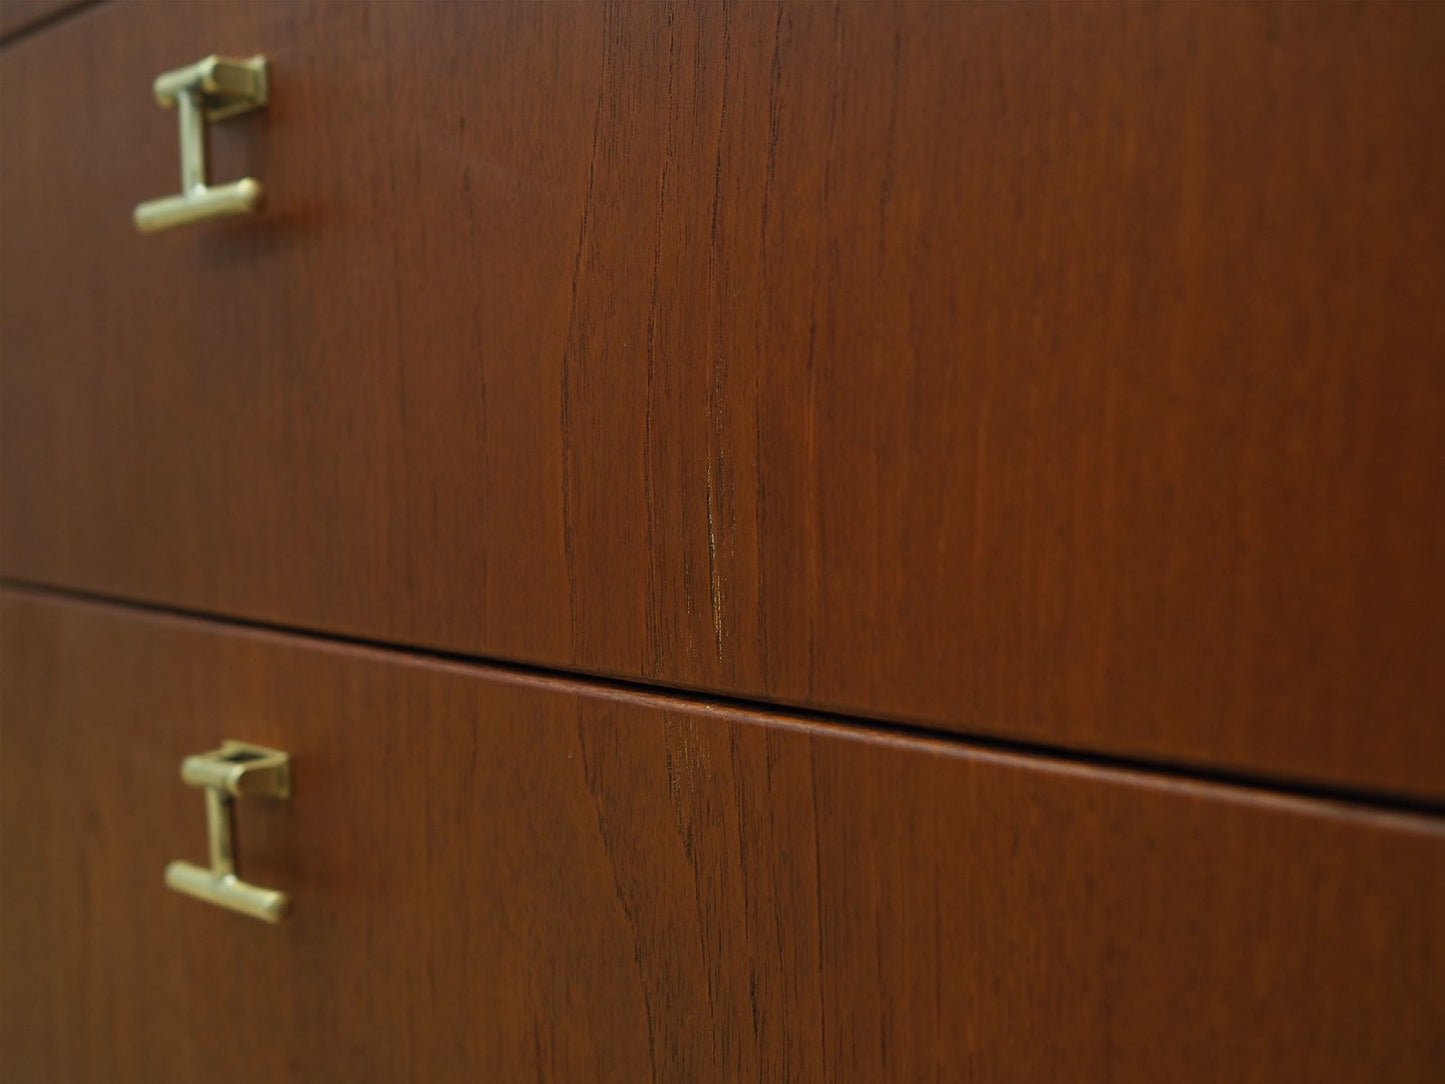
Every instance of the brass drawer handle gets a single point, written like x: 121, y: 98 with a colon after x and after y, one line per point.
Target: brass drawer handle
x: 208, y: 90
x: 235, y: 770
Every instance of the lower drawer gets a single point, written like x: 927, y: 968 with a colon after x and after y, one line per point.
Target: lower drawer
x: 525, y: 878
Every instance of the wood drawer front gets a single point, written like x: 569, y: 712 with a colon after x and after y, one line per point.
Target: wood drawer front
x: 1060, y: 373
x: 17, y: 16
x: 531, y: 879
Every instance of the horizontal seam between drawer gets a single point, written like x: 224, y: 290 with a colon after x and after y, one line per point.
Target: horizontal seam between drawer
x: 1359, y: 798
x: 46, y: 22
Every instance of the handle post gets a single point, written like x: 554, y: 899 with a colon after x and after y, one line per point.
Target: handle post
x: 232, y: 771
x: 206, y: 91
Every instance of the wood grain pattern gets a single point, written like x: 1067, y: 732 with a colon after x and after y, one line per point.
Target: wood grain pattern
x: 529, y: 879
x: 20, y: 15
x: 1064, y: 373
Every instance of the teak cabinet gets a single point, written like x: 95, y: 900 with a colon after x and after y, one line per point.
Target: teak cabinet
x: 517, y: 876
x: 812, y: 542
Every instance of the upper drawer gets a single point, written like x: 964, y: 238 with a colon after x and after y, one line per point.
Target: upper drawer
x: 1063, y: 373
x: 511, y: 878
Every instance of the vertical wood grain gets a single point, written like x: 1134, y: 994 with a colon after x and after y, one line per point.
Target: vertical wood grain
x: 1065, y: 373
x: 517, y: 878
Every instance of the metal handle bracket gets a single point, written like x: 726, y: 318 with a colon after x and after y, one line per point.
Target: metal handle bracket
x: 235, y: 770
x: 208, y: 90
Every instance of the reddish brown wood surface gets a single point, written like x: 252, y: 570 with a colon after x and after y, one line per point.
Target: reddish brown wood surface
x: 1067, y: 373
x: 528, y: 879
x: 514, y: 878
x: 19, y: 15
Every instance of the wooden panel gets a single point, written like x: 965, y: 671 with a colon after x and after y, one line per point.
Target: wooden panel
x: 19, y: 15
x: 1065, y: 373
x: 530, y: 879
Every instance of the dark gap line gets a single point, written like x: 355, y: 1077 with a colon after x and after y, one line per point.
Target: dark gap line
x: 1357, y: 797
x: 47, y: 20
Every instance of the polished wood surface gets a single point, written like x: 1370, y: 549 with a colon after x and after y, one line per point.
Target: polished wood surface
x: 1070, y: 374
x: 513, y: 878
x: 17, y: 16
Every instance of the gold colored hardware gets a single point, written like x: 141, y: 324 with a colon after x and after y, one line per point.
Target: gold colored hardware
x: 208, y: 90
x: 235, y: 770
